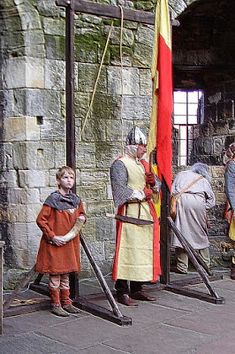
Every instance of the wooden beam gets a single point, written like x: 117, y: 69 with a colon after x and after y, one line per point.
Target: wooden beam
x: 70, y: 122
x: 102, y: 312
x: 195, y: 294
x: 165, y: 235
x: 207, y: 68
x: 45, y: 304
x: 2, y: 243
x: 194, y: 279
x: 87, y: 306
x: 110, y: 11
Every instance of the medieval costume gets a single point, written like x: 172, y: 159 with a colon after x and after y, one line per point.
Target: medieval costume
x: 191, y: 216
x: 137, y: 254
x: 56, y: 257
x: 229, y: 177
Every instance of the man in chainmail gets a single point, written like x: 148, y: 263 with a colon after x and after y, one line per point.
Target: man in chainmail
x: 137, y: 254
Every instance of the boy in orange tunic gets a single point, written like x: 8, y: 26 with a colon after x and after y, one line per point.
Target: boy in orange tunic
x: 55, y: 256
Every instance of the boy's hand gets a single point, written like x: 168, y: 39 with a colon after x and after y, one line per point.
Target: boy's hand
x: 58, y: 241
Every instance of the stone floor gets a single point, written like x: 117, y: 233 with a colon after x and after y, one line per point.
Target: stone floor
x: 172, y: 324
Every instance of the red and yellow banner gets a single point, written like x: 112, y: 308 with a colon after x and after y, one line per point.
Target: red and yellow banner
x: 160, y: 134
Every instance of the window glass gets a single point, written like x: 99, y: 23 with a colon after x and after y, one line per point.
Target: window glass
x: 180, y: 96
x: 192, y: 119
x: 180, y: 120
x: 180, y: 109
x: 183, y: 132
x: 193, y: 97
x: 192, y: 108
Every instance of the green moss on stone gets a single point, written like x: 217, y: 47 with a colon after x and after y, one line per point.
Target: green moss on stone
x: 146, y: 5
x: 115, y: 53
x: 55, y: 46
x: 106, y: 106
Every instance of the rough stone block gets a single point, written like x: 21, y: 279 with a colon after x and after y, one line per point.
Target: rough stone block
x: 87, y: 74
x: 54, y: 26
x: 30, y: 155
x: 142, y: 56
x: 21, y: 129
x: 127, y: 39
x: 86, y: 51
x: 97, y: 251
x: 16, y: 229
x: 109, y: 192
x: 24, y: 72
x: 52, y: 178
x: 36, y: 103
x: 94, y: 132
x: 127, y: 54
x: 124, y: 81
x: 53, y: 129
x: 29, y: 16
x: 105, y: 228
x: 34, y: 237
x: 98, y: 208
x: 9, y: 179
x: 105, y: 155
x: 94, y: 177
x: 109, y: 248
x: 19, y: 213
x: 6, y: 156
x: 34, y: 42
x: 89, y: 229
x: 59, y: 153
x: 136, y: 107
x: 106, y: 106
x: 145, y: 82
x: 23, y: 196
x: 32, y: 212
x: 54, y: 74
x: 81, y: 104
x: 89, y: 192
x: 86, y: 156
x: 49, y: 8
x: 145, y: 36
x: 32, y: 178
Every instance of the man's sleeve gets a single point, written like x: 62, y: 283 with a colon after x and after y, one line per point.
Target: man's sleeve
x: 119, y: 183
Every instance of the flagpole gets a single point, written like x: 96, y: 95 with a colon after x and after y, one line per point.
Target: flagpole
x: 160, y: 133
x: 165, y: 240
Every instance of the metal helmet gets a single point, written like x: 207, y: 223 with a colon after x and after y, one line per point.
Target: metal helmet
x: 136, y: 137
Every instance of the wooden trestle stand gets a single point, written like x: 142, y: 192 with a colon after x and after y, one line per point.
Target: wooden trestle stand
x: 200, y: 267
x: 114, y: 316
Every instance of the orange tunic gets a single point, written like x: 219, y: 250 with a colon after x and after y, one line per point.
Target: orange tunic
x: 51, y: 258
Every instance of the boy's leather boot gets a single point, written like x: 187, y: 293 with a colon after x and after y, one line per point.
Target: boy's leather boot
x: 56, y: 308
x: 67, y: 302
